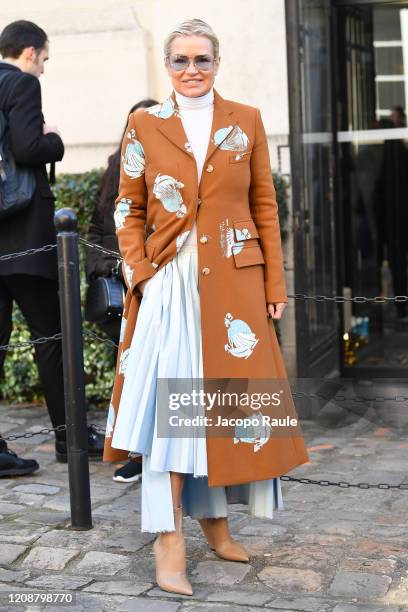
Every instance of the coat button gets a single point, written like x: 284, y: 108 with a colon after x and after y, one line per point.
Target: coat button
x: 205, y: 271
x: 210, y: 168
x: 199, y: 202
x: 203, y: 239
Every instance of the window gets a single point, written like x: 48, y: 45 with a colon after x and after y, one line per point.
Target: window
x: 389, y: 60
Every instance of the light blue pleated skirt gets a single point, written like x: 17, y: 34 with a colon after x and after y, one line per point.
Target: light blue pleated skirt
x: 167, y: 344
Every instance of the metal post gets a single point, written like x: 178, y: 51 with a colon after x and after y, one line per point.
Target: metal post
x: 74, y: 384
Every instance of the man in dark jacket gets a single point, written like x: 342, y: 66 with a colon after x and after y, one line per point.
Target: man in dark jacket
x: 31, y: 281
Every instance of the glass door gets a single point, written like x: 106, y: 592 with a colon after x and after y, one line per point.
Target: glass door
x: 372, y: 184
x: 312, y: 161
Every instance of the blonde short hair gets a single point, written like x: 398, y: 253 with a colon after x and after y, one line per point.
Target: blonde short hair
x: 192, y: 27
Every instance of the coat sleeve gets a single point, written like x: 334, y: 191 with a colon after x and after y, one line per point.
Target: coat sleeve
x: 264, y: 210
x: 130, y: 215
x: 28, y: 144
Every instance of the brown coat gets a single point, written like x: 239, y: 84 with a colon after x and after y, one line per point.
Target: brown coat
x: 240, y: 260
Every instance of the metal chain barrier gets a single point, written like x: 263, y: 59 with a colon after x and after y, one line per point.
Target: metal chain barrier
x: 92, y: 245
x: 30, y: 434
x: 357, y: 299
x: 346, y: 485
x: 45, y: 431
x: 43, y: 340
x: 43, y: 249
x: 355, y: 398
x: 93, y: 336
x: 87, y: 332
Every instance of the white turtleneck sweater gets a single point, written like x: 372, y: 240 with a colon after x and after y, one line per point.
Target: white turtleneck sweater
x: 196, y: 116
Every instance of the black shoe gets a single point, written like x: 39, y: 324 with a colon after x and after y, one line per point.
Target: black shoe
x: 96, y: 443
x: 12, y: 465
x: 131, y: 472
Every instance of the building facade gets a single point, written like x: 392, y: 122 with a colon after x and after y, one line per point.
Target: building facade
x: 105, y: 55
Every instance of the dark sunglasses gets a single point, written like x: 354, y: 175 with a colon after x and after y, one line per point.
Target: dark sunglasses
x: 182, y: 62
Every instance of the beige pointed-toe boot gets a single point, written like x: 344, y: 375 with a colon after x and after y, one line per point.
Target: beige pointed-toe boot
x: 170, y: 552
x: 219, y: 539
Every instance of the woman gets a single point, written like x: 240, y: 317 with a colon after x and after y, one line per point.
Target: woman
x: 102, y: 232
x: 196, y: 170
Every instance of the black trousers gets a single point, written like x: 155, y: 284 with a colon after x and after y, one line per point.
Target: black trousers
x: 38, y: 300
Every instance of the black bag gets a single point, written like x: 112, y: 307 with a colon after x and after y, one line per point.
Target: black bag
x: 104, y: 299
x: 17, y: 184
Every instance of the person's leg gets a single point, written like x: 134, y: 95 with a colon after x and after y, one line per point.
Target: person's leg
x: 170, y: 547
x: 38, y: 300
x: 209, y: 506
x: 130, y: 472
x: 6, y: 324
x: 219, y: 539
x: 177, y: 482
x: 10, y: 463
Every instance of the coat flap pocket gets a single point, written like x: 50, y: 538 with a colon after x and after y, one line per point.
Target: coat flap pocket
x: 245, y: 229
x: 247, y: 255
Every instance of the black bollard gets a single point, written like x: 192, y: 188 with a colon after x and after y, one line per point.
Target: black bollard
x: 73, y: 361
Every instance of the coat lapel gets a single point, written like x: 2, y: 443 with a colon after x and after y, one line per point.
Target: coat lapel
x: 222, y: 119
x: 172, y: 127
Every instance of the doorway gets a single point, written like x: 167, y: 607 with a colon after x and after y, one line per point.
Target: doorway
x: 348, y: 91
x: 309, y: 50
x: 371, y: 191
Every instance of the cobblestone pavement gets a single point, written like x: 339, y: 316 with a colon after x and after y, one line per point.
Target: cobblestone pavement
x: 331, y: 549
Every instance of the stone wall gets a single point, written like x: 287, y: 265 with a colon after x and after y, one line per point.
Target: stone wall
x: 105, y: 55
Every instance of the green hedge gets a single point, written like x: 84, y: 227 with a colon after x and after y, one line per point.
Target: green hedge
x: 21, y: 384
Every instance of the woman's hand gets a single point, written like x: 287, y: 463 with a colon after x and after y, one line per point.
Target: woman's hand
x: 275, y: 310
